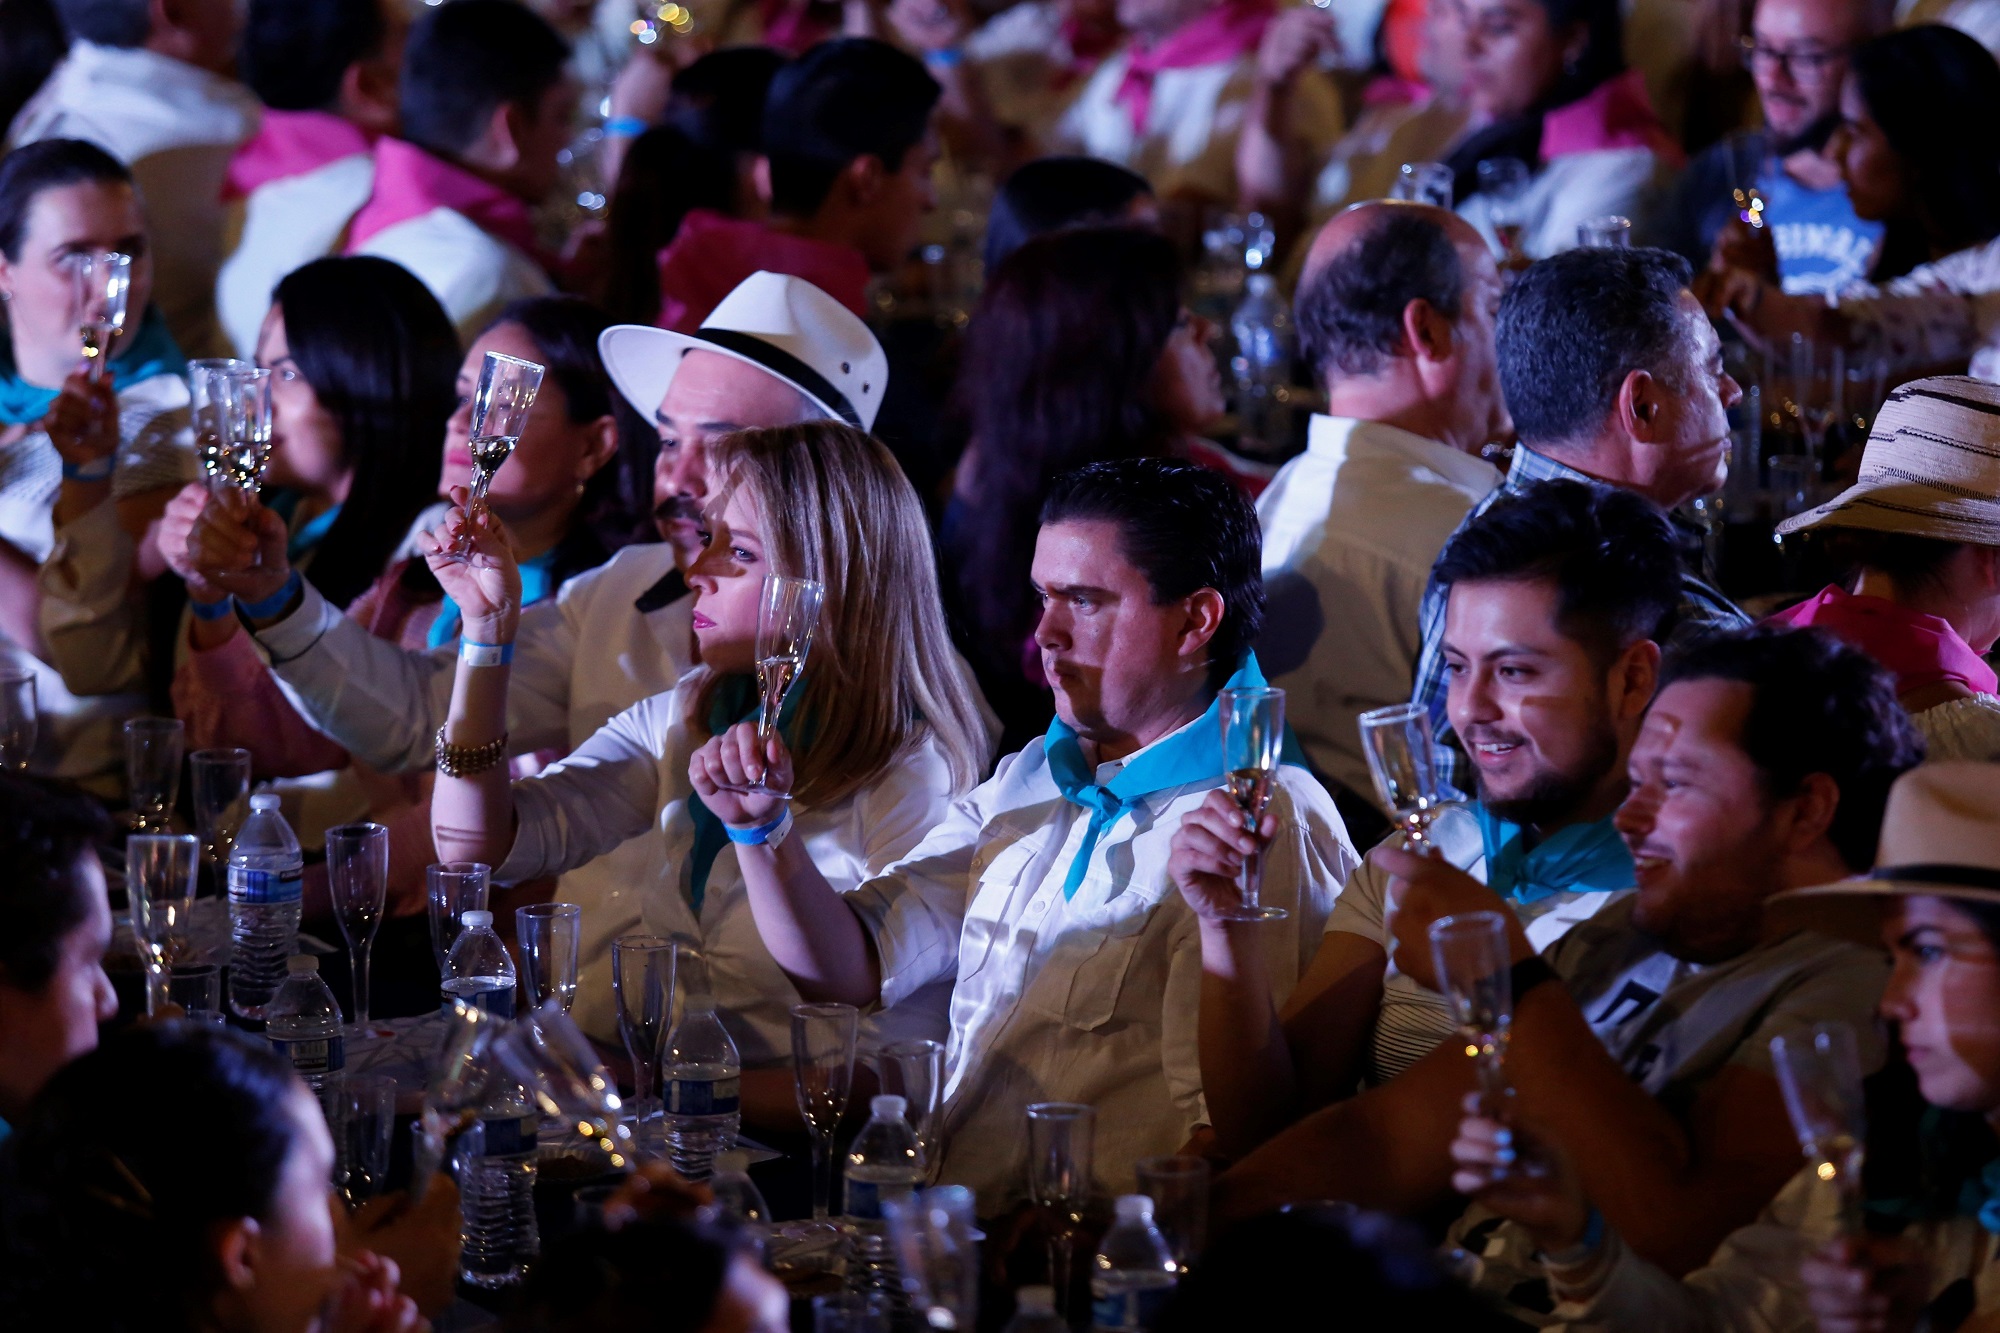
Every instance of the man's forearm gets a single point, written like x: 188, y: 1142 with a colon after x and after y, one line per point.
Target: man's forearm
x: 383, y: 703
x: 811, y: 933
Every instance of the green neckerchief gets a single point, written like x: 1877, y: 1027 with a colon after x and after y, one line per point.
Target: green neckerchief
x: 1191, y: 754
x: 1582, y: 858
x: 734, y: 700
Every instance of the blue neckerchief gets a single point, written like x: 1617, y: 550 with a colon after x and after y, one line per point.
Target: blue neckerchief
x: 310, y: 533
x: 1191, y: 754
x: 1979, y: 1196
x: 150, y: 353
x: 734, y: 700
x: 1583, y: 858
x: 537, y: 580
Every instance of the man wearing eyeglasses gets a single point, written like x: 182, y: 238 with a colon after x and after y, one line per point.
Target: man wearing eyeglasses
x: 1798, y: 228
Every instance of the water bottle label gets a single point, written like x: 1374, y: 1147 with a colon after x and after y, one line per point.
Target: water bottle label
x: 1135, y: 1310
x: 704, y: 1096
x: 313, y: 1056
x: 511, y: 1137
x: 247, y: 885
x: 864, y: 1200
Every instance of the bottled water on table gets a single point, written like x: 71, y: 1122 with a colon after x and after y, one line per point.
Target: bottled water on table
x: 1134, y: 1272
x: 479, y: 972
x: 1035, y: 1312
x: 701, y: 1075
x: 265, y: 875
x: 302, y: 1023
x: 885, y: 1162
x: 496, y: 1186
x: 1262, y: 365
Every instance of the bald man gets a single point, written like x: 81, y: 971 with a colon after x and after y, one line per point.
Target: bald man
x: 1798, y: 56
x: 1396, y: 310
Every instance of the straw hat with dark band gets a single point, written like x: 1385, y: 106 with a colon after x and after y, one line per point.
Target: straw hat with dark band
x: 1931, y: 467
x: 1940, y: 838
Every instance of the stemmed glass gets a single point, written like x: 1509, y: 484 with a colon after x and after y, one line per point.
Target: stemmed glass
x: 19, y: 720
x: 1402, y: 758
x: 1062, y: 1137
x: 366, y: 1133
x: 221, y: 782
x: 1253, y: 734
x: 547, y: 935
x: 1819, y: 386
x: 1819, y: 1072
x: 159, y: 879
x: 787, y: 615
x: 936, y: 1239
x: 507, y: 389
x: 642, y: 974
x: 1470, y: 952
x: 1503, y: 180
x: 1423, y: 183
x: 1610, y: 232
x: 914, y: 1071
x: 153, y: 747
x: 245, y: 426
x: 456, y: 887
x: 1178, y: 1187
x: 103, y: 286
x: 357, y: 875
x: 208, y: 405
x: 823, y: 1037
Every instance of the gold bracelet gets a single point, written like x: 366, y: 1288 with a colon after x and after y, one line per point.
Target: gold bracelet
x: 465, y: 761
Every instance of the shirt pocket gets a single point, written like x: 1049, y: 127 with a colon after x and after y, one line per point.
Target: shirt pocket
x: 1004, y: 878
x: 1084, y: 975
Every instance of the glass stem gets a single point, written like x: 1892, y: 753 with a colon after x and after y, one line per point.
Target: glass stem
x: 157, y: 999
x: 822, y: 1168
x: 1250, y: 880
x: 357, y: 962
x: 1061, y: 1250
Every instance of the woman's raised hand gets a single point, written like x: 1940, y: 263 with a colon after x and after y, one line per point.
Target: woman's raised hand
x: 735, y: 759
x: 486, y: 584
x: 224, y: 542
x: 83, y: 421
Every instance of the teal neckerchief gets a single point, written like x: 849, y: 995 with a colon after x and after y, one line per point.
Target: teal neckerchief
x: 1979, y: 1196
x: 150, y: 353
x: 310, y: 533
x: 1583, y: 858
x: 734, y: 700
x: 537, y: 579
x: 1191, y: 754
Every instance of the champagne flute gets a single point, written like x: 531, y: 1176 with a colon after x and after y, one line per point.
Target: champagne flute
x: 20, y: 720
x: 1062, y: 1138
x: 1253, y: 734
x: 103, y: 285
x: 153, y: 748
x: 456, y: 887
x: 823, y: 1037
x: 1403, y: 760
x: 935, y: 1235
x: 643, y: 971
x: 159, y: 879
x: 1504, y: 180
x: 1423, y: 183
x: 546, y: 1053
x: 1610, y: 232
x: 507, y: 389
x: 914, y: 1071
x: 1470, y: 951
x: 1819, y: 1073
x: 357, y: 873
x: 208, y: 405
x: 547, y: 935
x: 221, y: 781
x: 787, y: 615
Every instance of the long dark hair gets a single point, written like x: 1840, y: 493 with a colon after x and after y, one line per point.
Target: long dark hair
x: 1059, y: 367
x: 1935, y: 92
x: 106, y: 1217
x: 381, y: 356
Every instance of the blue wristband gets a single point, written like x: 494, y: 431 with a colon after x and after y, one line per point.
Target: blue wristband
x: 761, y: 834
x: 221, y: 610
x: 485, y: 654
x: 625, y: 127
x: 97, y: 469
x: 946, y: 57
x: 275, y: 603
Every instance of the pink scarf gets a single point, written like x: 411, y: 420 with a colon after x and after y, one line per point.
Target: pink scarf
x: 1921, y: 650
x: 1615, y: 114
x: 292, y: 143
x: 410, y: 183
x: 1229, y: 30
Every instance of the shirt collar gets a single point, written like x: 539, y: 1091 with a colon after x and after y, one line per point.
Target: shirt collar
x: 1338, y: 437
x: 1529, y: 466
x: 192, y: 92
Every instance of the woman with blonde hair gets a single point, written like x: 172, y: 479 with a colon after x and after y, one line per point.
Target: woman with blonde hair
x: 884, y: 721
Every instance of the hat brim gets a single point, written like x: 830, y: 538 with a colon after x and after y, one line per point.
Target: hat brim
x: 1852, y: 908
x: 1892, y: 504
x: 642, y: 361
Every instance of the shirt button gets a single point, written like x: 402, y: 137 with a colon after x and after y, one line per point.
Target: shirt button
x: 1035, y: 908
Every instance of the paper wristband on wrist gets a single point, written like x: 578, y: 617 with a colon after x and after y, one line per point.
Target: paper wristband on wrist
x: 485, y: 654
x: 97, y: 469
x: 276, y: 602
x: 625, y: 127
x: 221, y: 610
x: 760, y: 834
x: 1592, y: 1240
x: 946, y: 57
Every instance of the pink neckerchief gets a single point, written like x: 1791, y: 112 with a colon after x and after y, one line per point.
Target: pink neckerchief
x: 791, y: 26
x: 292, y: 143
x: 1229, y: 30
x: 1615, y: 114
x: 1921, y: 650
x: 410, y: 183
x: 1088, y: 46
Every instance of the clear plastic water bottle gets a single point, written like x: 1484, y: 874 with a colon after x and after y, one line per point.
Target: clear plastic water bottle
x: 496, y: 1187
x: 885, y: 1162
x: 302, y: 1023
x: 1035, y: 1312
x: 1134, y: 1272
x: 266, y: 875
x: 701, y: 1075
x: 1262, y: 365
x: 478, y: 972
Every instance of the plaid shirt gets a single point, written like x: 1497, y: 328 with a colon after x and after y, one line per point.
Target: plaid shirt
x: 1702, y: 608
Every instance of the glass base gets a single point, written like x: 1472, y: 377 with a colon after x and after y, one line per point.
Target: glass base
x: 372, y: 1030
x: 754, y: 790
x: 1254, y: 914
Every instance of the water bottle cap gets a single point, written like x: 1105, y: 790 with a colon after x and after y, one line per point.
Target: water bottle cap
x: 475, y: 918
x: 301, y: 963
x: 1035, y: 1300
x: 265, y: 800
x: 1261, y: 282
x: 1135, y: 1208
x: 887, y: 1107
x: 734, y: 1162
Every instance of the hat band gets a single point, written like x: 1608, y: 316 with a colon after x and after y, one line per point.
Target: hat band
x: 1943, y: 875
x: 785, y: 366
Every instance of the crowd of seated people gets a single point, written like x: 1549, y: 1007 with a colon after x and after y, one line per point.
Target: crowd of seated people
x: 1103, y: 365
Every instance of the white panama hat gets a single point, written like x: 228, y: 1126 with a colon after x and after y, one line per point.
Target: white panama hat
x: 780, y: 324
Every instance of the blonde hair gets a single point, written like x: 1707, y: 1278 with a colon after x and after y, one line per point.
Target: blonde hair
x: 837, y: 508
